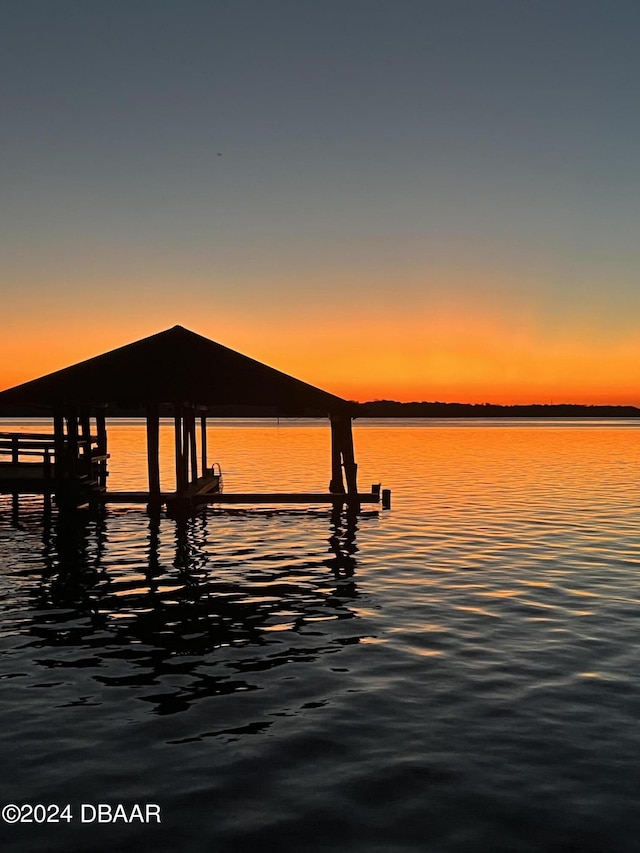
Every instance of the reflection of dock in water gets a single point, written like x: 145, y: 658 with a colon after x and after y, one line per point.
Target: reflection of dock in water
x: 187, y: 598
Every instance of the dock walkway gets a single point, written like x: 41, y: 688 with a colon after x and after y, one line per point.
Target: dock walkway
x: 29, y: 467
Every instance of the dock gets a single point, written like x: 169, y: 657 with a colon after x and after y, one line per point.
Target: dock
x: 30, y: 469
x: 188, y: 378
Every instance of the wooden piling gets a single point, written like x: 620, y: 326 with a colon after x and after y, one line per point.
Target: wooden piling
x: 71, y: 465
x: 153, y: 449
x: 350, y: 467
x: 203, y: 443
x: 337, y: 483
x: 193, y: 444
x: 101, y: 435
x: 15, y: 456
x: 58, y: 442
x: 185, y: 444
x: 181, y: 476
x: 85, y: 434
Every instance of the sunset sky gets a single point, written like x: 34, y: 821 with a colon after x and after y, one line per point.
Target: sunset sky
x: 409, y: 199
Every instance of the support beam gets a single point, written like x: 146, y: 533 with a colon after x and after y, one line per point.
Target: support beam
x: 153, y: 449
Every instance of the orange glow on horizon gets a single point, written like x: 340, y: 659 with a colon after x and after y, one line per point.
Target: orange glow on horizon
x: 434, y: 354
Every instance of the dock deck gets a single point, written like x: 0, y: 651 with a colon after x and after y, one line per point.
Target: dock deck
x: 242, y: 497
x: 75, y: 474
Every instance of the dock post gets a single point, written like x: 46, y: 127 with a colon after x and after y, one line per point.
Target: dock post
x: 15, y: 456
x: 337, y: 483
x: 85, y: 433
x: 72, y: 436
x: 203, y: 442
x: 350, y: 467
x: 181, y: 474
x: 58, y: 443
x: 46, y: 463
x: 192, y: 444
x: 153, y: 450
x: 46, y: 498
x: 185, y: 444
x: 101, y: 432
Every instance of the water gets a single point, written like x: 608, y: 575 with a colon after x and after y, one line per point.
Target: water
x: 457, y: 674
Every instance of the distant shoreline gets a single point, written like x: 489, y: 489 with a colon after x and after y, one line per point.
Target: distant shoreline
x: 392, y: 409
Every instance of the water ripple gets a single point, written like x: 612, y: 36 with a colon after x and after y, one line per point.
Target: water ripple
x: 458, y: 674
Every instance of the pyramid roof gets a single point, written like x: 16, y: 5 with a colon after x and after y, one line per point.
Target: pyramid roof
x: 175, y: 366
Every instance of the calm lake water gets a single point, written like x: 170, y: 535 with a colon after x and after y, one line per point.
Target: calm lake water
x: 459, y: 673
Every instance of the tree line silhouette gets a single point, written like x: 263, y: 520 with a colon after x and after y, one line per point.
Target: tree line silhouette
x: 393, y: 409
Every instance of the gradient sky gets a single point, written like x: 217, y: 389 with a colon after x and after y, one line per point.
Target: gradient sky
x: 417, y: 199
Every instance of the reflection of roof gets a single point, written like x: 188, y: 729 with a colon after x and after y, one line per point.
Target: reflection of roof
x: 175, y: 366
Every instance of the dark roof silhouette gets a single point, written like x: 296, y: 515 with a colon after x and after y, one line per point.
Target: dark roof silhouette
x: 175, y: 366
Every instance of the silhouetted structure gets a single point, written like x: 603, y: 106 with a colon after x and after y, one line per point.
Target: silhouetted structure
x: 177, y: 373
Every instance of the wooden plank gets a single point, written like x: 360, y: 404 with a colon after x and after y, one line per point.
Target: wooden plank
x: 203, y: 485
x: 30, y: 435
x: 26, y: 442
x: 22, y: 452
x: 301, y: 497
x: 19, y: 470
x: 241, y: 497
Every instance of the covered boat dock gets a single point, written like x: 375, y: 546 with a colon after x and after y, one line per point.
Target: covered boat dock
x: 179, y: 374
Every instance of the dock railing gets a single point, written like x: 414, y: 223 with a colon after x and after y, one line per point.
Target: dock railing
x: 28, y: 459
